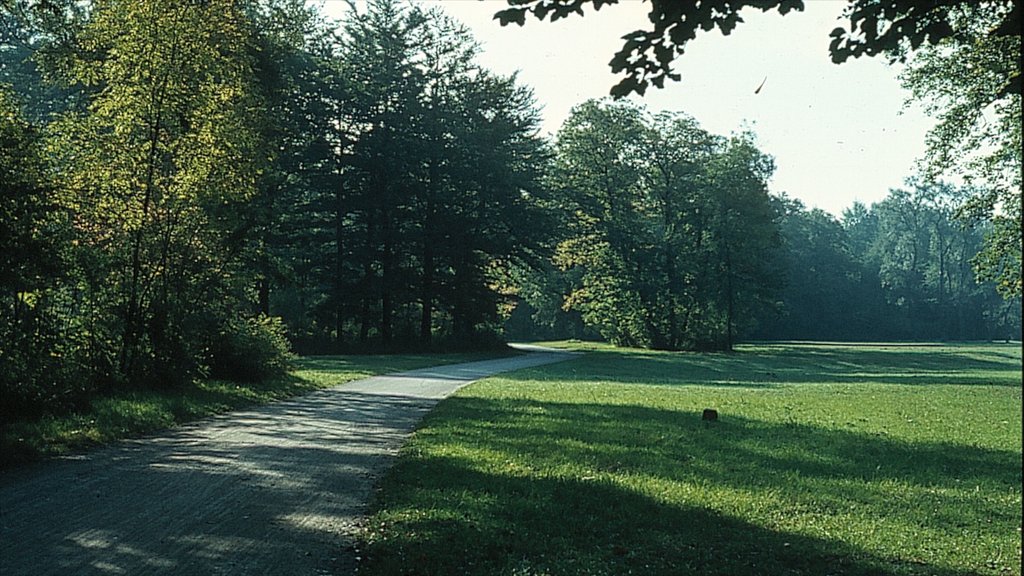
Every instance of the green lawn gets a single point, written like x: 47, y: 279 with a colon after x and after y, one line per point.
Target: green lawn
x: 826, y: 459
x: 133, y: 413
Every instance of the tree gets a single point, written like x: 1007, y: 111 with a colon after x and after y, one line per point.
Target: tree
x: 671, y: 232
x: 743, y: 235
x: 823, y: 297
x: 599, y: 174
x: 40, y: 352
x: 962, y: 82
x: 433, y: 196
x: 300, y: 201
x: 158, y: 170
x: 923, y: 254
x: 874, y: 28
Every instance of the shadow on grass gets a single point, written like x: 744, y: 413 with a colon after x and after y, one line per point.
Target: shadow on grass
x: 524, y: 487
x: 792, y: 363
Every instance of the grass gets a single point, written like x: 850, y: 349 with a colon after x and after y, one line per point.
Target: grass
x: 139, y: 412
x: 826, y: 459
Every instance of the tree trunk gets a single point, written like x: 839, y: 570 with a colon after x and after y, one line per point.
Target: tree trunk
x: 263, y: 291
x: 427, y: 294
x: 427, y: 277
x: 730, y: 299
x: 386, y: 270
x: 339, y: 269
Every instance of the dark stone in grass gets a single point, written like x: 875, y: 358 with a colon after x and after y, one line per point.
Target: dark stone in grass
x: 709, y: 415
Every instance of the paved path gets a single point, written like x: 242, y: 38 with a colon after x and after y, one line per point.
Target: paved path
x: 275, y: 490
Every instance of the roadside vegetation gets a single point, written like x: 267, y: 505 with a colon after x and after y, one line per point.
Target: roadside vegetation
x: 135, y: 412
x: 825, y: 459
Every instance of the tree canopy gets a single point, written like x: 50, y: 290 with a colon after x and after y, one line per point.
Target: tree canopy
x: 874, y: 27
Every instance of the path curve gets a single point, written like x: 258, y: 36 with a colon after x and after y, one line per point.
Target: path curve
x: 273, y: 490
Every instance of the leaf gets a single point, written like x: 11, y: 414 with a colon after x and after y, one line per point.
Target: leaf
x: 625, y: 87
x: 787, y: 6
x: 620, y: 61
x: 509, y: 15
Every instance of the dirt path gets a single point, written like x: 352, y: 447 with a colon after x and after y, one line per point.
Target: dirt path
x: 275, y: 490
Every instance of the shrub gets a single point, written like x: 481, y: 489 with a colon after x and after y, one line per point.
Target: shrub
x: 250, y: 349
x: 45, y: 363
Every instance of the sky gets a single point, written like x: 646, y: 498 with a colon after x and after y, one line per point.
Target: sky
x: 838, y: 133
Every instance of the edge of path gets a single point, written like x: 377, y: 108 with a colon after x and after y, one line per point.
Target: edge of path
x: 278, y: 489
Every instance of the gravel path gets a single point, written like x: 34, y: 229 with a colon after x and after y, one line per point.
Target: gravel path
x: 275, y: 490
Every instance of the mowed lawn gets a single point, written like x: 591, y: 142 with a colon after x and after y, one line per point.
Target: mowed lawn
x: 826, y: 459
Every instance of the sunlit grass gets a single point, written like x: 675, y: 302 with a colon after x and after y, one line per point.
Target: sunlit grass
x: 134, y: 413
x: 825, y: 460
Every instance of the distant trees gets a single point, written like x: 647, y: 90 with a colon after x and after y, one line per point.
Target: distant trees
x: 898, y: 270
x: 670, y: 240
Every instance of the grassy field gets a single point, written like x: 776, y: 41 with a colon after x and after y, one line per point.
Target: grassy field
x: 134, y: 413
x: 826, y: 459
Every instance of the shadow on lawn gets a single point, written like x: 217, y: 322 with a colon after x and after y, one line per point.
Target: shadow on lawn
x: 779, y: 364
x: 562, y: 495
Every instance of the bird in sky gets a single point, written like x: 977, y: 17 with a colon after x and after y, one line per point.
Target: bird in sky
x: 761, y: 85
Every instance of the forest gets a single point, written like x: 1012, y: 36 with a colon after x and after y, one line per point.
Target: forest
x: 198, y: 189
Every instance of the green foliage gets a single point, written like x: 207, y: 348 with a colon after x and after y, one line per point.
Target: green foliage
x: 250, y: 349
x: 26, y: 254
x: 961, y: 82
x: 897, y: 270
x: 892, y: 28
x: 423, y: 196
x: 846, y: 460
x: 157, y: 171
x: 44, y: 364
x: 669, y: 233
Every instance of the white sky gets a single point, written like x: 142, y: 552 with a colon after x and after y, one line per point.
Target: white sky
x: 839, y: 133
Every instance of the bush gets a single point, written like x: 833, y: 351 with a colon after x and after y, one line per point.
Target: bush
x: 45, y: 363
x: 250, y: 349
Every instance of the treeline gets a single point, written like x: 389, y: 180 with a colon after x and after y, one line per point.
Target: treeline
x: 901, y: 269
x: 193, y: 189
x: 670, y: 239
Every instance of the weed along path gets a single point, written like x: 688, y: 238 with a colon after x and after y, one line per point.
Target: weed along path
x: 272, y: 490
